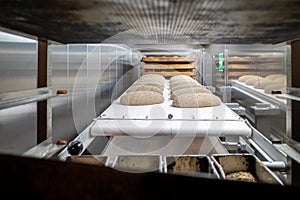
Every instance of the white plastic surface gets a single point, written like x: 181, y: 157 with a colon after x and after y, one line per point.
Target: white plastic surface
x: 152, y: 120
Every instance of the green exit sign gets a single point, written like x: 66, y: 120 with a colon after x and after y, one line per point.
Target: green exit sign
x: 221, y: 62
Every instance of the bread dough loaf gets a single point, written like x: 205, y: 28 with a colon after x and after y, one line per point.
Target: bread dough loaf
x: 246, y: 77
x: 145, y: 88
x: 184, y: 82
x: 141, y: 98
x: 274, y: 76
x: 275, y: 87
x: 253, y: 80
x: 262, y: 83
x: 185, y: 85
x: 196, y: 100
x: 281, y: 80
x: 153, y: 78
x: 191, y: 90
x: 180, y: 78
x: 186, y: 164
x: 156, y: 84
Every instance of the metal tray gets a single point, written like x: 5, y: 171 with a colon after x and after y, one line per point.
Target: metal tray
x: 89, y: 159
x: 207, y: 168
x: 237, y: 162
x: 138, y: 163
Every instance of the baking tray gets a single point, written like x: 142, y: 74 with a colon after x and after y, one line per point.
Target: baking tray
x: 138, y: 163
x: 89, y: 159
x: 237, y: 162
x: 207, y: 168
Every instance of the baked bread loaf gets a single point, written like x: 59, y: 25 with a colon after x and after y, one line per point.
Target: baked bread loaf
x: 138, y: 98
x: 186, y: 164
x: 233, y: 164
x: 241, y: 176
x: 168, y: 59
x: 196, y: 100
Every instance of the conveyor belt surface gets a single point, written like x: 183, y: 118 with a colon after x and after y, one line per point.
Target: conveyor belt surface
x: 155, y: 119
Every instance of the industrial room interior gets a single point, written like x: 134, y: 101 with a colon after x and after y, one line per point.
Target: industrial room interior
x: 67, y: 130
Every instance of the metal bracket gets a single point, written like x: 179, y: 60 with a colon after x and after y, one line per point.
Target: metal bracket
x: 237, y: 108
x: 264, y: 109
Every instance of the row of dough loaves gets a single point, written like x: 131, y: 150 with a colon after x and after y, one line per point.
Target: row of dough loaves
x: 270, y: 83
x: 186, y: 92
x: 148, y: 90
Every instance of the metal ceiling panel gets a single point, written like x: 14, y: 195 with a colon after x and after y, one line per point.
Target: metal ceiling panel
x: 155, y: 21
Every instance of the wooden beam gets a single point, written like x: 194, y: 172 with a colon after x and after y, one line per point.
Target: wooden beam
x: 169, y: 66
x: 172, y: 73
x: 42, y: 82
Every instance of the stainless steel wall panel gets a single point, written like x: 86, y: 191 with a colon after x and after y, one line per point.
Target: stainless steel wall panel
x: 18, y: 69
x: 62, y: 120
x: 94, y: 76
x: 57, y: 59
x: 18, y: 128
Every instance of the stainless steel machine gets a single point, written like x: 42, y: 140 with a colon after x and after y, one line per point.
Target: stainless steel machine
x: 226, y: 129
x: 65, y: 66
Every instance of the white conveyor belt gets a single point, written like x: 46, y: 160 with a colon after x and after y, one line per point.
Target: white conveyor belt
x: 164, y: 119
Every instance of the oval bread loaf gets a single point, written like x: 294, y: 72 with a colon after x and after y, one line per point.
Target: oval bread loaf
x: 262, y: 83
x: 183, y: 86
x: 253, y: 80
x: 196, y: 100
x: 153, y: 78
x: 191, y: 90
x: 275, y: 88
x: 246, y: 77
x: 274, y: 76
x: 180, y: 82
x: 280, y: 80
x: 150, y: 83
x: 141, y: 98
x: 145, y: 88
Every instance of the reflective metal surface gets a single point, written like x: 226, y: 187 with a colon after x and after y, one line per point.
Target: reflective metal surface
x: 94, y: 75
x: 18, y: 128
x: 18, y: 69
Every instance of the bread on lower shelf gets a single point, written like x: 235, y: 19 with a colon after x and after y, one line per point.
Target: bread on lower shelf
x: 186, y: 164
x: 241, y: 176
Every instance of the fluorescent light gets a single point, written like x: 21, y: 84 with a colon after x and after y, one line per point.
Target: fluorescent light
x: 7, y: 37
